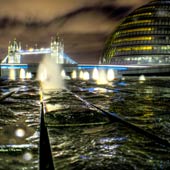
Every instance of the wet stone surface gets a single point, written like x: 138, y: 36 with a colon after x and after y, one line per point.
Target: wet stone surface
x: 81, y: 137
x: 19, y: 126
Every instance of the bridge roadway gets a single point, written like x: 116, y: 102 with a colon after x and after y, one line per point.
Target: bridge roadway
x: 34, y: 51
x: 37, y: 51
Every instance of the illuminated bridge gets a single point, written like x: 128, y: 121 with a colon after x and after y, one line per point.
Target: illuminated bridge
x: 56, y: 52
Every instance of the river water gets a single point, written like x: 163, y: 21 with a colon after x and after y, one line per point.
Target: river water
x: 84, y: 138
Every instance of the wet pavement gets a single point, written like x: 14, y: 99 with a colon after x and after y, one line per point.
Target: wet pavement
x: 19, y: 126
x: 80, y: 136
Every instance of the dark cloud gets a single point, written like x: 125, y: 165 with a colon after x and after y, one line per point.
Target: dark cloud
x: 83, y: 24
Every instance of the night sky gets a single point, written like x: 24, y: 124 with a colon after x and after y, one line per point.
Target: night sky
x: 84, y: 25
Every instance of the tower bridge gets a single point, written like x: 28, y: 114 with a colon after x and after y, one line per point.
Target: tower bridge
x: 56, y: 52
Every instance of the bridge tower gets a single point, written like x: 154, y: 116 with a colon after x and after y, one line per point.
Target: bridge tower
x: 14, y: 56
x: 57, y: 50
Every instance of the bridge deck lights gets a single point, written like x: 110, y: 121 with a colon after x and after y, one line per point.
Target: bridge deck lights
x: 56, y: 52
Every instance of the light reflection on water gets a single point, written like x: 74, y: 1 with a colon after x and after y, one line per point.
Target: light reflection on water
x: 113, y: 145
x: 19, y: 121
x: 80, y: 136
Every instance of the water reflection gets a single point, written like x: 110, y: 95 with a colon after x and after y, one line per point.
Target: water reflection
x: 19, y: 120
x: 20, y: 133
x: 114, y: 145
x: 98, y: 89
x: 80, y: 136
x: 27, y: 156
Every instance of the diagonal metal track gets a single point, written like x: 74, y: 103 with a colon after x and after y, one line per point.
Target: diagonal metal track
x: 114, y: 117
x: 45, y: 155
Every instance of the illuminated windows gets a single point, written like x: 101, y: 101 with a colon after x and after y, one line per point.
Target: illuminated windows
x: 134, y: 30
x: 141, y: 14
x: 135, y: 48
x: 143, y: 37
x: 134, y: 39
x: 138, y: 22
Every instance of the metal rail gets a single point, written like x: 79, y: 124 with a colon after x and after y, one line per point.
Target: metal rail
x: 45, y: 154
x: 114, y: 117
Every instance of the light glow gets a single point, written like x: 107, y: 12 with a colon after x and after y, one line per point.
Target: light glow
x: 86, y: 75
x: 12, y: 75
x: 81, y: 74
x: 20, y: 133
x: 28, y: 75
x: 63, y: 73
x: 74, y: 74
x: 142, y: 78
x: 22, y: 74
x: 27, y: 156
x: 110, y: 75
x: 102, y: 77
x: 95, y: 74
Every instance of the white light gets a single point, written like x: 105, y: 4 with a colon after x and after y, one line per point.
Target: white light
x: 63, y: 73
x: 102, y: 77
x: 27, y: 156
x: 12, y: 75
x: 20, y: 133
x: 31, y: 49
x: 142, y: 78
x: 110, y: 75
x: 28, y: 75
x: 86, y: 76
x: 53, y: 107
x: 22, y: 74
x: 123, y: 78
x: 81, y: 74
x: 74, y: 74
x: 95, y: 74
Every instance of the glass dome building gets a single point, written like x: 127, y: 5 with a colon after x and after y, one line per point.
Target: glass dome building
x: 142, y: 38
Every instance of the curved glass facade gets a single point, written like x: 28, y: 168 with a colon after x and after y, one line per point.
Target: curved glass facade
x: 142, y: 38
